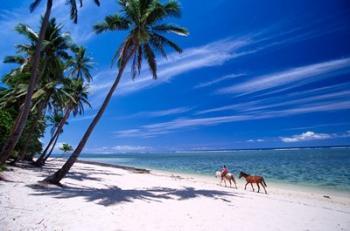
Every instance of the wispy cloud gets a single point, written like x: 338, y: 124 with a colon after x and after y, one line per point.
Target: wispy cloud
x: 119, y: 149
x: 156, y: 129
x: 218, y: 80
x: 255, y: 140
x: 305, y: 73
x: 218, y: 53
x: 151, y: 130
x: 143, y: 114
x: 298, y: 98
x: 319, y: 126
x: 212, y: 54
x: 161, y: 113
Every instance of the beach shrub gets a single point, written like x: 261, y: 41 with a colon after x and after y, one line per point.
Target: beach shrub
x: 6, y: 122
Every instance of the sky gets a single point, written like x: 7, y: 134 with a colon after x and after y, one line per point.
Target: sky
x: 253, y: 74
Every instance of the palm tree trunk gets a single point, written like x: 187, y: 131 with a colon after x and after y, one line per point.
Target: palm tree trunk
x: 24, y: 150
x: 52, y: 147
x: 16, y: 133
x: 41, y: 160
x: 57, y: 176
x: 31, y: 130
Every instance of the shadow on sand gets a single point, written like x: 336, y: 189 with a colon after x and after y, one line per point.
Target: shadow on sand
x: 114, y: 195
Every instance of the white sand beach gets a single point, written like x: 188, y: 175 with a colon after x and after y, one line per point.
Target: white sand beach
x: 108, y: 198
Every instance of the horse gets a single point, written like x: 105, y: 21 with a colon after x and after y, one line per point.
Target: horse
x: 229, y: 177
x: 253, y: 179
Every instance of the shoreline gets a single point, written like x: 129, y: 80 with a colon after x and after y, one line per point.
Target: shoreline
x: 126, y: 198
x: 276, y: 184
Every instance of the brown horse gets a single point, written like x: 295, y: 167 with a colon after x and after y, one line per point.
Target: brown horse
x: 253, y: 179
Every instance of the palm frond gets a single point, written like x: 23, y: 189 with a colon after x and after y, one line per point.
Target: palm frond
x: 25, y: 30
x: 172, y: 8
x: 164, y: 41
x: 97, y: 2
x: 34, y: 5
x: 139, y: 59
x: 111, y: 23
x: 150, y: 57
x: 157, y: 11
x: 124, y: 52
x: 171, y: 28
x: 15, y: 59
x: 73, y: 10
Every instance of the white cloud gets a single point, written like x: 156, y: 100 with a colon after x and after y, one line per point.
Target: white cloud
x: 160, y: 113
x: 306, y: 136
x: 218, y: 80
x: 255, y: 140
x: 119, y: 149
x: 305, y: 74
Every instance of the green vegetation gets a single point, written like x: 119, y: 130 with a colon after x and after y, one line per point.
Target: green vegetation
x: 50, y: 80
x: 66, y: 148
x: 5, y: 125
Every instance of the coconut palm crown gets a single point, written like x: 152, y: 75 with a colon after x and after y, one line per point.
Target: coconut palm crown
x: 144, y: 21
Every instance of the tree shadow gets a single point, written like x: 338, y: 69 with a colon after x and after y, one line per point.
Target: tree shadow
x: 50, y: 168
x: 114, y: 195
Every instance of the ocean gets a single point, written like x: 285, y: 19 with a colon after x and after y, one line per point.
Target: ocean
x: 328, y: 168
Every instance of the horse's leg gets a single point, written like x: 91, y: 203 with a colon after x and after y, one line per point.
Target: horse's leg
x: 264, y: 188
x: 252, y: 187
x: 230, y: 183
x: 258, y: 186
x: 234, y: 181
x: 246, y: 185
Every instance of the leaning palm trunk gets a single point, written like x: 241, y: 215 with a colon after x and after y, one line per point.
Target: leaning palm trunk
x: 41, y: 160
x: 39, y: 115
x: 52, y: 148
x: 57, y: 176
x: 24, y: 150
x: 21, y: 120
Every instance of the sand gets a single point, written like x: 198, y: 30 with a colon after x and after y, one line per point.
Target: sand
x: 106, y: 198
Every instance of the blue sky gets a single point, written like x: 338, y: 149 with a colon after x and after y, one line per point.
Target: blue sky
x: 253, y: 74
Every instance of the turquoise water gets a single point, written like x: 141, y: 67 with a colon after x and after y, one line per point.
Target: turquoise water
x: 327, y: 167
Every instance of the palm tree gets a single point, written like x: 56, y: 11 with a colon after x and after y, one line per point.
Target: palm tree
x: 22, y: 117
x: 143, y: 19
x: 66, y: 148
x: 78, y: 68
x: 76, y: 98
x: 51, y: 74
x: 80, y: 65
x: 54, y: 143
x: 53, y: 121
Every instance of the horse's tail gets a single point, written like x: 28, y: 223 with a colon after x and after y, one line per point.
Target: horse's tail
x: 263, y: 181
